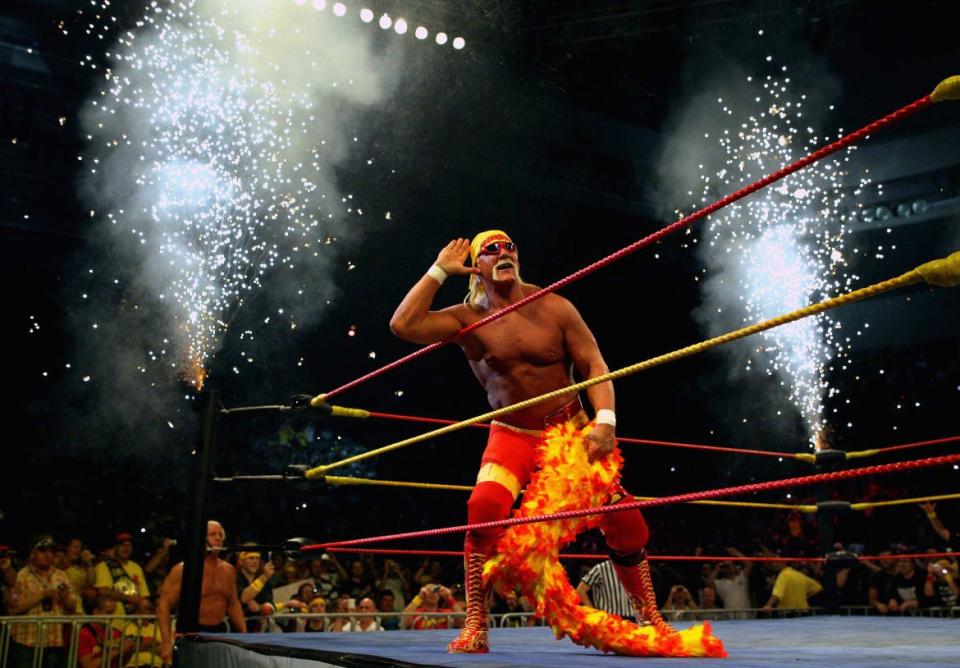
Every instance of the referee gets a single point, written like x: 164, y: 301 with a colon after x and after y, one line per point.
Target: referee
x: 600, y: 588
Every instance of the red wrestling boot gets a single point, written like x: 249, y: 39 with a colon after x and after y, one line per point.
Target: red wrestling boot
x: 473, y: 635
x: 636, y: 580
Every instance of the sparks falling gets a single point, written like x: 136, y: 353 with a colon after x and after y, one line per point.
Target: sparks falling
x: 212, y: 144
x: 783, y: 247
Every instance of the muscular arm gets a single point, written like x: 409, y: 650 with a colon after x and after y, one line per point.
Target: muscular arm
x: 413, y: 320
x: 168, y: 599
x: 585, y: 354
x: 234, y: 609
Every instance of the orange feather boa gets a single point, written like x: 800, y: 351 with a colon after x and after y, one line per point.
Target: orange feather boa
x: 527, y: 554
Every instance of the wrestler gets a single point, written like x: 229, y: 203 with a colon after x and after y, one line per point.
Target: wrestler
x: 526, y: 353
x: 218, y: 596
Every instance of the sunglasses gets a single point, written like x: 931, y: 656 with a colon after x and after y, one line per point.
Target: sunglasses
x: 494, y: 248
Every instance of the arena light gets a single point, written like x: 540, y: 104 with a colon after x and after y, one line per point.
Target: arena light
x: 385, y: 21
x: 883, y: 213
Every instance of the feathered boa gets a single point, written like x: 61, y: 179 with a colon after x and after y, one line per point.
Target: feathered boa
x: 527, y: 554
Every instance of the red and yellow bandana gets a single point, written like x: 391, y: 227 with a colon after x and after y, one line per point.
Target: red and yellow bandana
x: 483, y: 239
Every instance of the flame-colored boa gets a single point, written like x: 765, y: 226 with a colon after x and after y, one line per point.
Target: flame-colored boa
x: 528, y: 554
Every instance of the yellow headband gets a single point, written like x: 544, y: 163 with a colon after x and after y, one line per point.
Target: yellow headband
x: 247, y: 555
x: 483, y: 239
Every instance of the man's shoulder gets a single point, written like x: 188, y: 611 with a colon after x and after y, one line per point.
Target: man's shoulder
x: 552, y: 301
x: 227, y: 569
x: 464, y: 313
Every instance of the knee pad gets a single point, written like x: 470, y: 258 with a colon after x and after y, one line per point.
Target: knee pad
x: 490, y: 501
x: 626, y: 533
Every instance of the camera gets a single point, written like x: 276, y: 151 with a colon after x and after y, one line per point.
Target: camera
x: 62, y: 586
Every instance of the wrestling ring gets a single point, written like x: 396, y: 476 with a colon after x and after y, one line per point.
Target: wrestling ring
x: 567, y: 496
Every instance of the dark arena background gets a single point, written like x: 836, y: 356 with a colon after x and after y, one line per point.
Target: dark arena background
x: 233, y: 196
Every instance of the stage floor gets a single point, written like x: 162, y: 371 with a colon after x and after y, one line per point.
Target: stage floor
x: 872, y: 642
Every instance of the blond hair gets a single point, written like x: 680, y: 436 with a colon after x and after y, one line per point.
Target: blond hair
x: 476, y: 297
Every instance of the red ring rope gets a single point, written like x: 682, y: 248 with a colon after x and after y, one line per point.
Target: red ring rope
x: 833, y: 147
x: 669, y: 444
x: 751, y: 488
x: 657, y: 557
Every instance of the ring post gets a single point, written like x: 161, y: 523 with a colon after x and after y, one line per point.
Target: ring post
x: 188, y: 612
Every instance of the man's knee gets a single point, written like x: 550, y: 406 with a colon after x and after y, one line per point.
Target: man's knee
x: 626, y: 531
x: 489, y: 501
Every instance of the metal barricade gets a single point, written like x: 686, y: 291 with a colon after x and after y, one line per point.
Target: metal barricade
x: 134, y: 638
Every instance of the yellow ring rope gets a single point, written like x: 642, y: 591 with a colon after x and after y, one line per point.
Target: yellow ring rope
x: 375, y: 482
x: 337, y: 480
x: 899, y: 502
x: 943, y: 272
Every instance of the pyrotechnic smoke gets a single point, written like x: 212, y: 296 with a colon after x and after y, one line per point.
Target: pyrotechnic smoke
x: 214, y: 144
x: 211, y: 156
x: 781, y: 248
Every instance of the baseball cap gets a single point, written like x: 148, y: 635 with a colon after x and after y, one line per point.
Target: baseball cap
x: 42, y: 541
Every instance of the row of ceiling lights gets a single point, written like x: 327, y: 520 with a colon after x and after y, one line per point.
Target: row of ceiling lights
x: 386, y: 22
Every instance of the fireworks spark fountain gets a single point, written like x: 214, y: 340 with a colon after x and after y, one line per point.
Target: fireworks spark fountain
x: 782, y: 248
x: 212, y: 145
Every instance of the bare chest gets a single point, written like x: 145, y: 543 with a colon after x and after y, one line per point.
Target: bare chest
x: 217, y: 581
x: 520, y: 338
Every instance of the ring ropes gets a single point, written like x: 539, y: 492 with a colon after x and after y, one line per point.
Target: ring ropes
x: 799, y: 456
x: 948, y: 89
x: 943, y: 272
x: 801, y: 507
x: 818, y: 478
x: 657, y: 557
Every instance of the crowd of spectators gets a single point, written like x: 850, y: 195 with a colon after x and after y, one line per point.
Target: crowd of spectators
x: 364, y: 593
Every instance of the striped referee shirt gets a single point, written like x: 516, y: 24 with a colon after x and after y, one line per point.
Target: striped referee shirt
x: 606, y: 591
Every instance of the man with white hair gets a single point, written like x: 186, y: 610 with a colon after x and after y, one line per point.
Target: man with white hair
x: 218, y: 598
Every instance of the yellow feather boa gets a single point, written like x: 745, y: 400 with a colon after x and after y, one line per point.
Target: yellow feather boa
x: 527, y: 554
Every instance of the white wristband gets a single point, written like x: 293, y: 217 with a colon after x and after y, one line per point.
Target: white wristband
x: 606, y: 416
x: 437, y: 273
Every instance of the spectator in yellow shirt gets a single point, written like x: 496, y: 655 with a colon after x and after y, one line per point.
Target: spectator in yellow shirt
x: 792, y: 589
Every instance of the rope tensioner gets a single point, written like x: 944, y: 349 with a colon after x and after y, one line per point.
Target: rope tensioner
x: 942, y: 272
x: 751, y: 488
x: 948, y: 89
